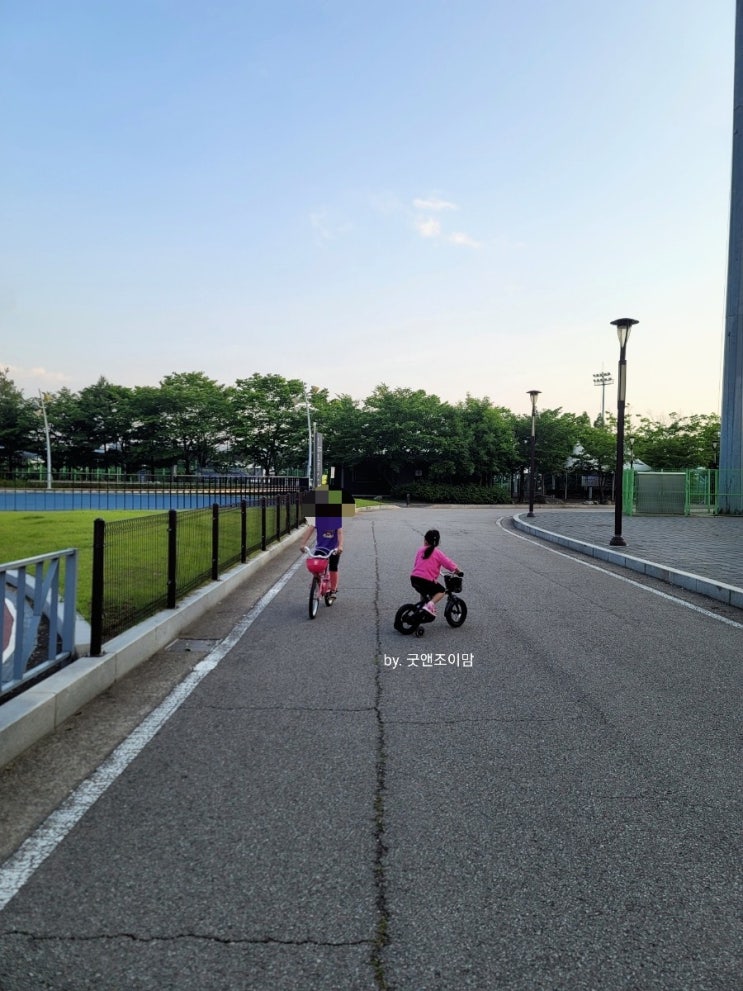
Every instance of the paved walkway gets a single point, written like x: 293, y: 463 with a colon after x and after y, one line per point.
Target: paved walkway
x: 325, y: 806
x: 700, y: 553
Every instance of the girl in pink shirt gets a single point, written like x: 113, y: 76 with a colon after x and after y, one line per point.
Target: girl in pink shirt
x: 428, y: 564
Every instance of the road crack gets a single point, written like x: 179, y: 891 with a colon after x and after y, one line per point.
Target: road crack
x: 380, y: 848
x: 184, y: 936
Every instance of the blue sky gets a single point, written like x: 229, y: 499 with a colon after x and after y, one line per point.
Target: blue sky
x: 453, y: 195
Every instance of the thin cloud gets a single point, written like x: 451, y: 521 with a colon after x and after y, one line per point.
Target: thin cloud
x: 324, y: 228
x: 463, y: 240
x: 39, y: 373
x: 428, y: 227
x: 433, y: 204
x: 35, y: 380
x: 385, y: 203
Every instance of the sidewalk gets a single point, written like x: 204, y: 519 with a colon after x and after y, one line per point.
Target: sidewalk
x: 703, y: 554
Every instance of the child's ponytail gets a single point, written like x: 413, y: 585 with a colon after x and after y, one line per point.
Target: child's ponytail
x: 432, y: 538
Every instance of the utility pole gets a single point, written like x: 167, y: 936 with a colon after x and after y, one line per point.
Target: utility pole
x: 730, y: 490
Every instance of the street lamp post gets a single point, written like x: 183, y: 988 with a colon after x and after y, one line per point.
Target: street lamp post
x: 533, y: 393
x: 309, y: 437
x: 623, y: 325
x: 48, y: 442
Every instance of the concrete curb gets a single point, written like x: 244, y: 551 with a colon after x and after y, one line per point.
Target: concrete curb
x: 38, y: 711
x: 719, y: 591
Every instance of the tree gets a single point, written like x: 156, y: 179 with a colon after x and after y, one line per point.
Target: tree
x: 596, y: 453
x: 106, y: 411
x: 268, y: 419
x: 191, y: 419
x: 405, y: 428
x: 556, y: 436
x: 684, y: 442
x: 341, y: 422
x: 450, y: 456
x: 69, y: 431
x: 152, y: 444
x: 194, y: 412
x: 18, y: 422
x: 490, y: 439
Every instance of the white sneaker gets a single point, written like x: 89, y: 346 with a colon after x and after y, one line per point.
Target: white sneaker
x: 430, y: 607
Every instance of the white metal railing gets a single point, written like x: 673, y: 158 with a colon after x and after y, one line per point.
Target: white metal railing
x: 37, y: 623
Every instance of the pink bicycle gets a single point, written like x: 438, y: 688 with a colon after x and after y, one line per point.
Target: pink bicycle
x: 318, y: 564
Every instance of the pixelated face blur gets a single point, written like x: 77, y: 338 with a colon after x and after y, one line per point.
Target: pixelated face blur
x: 326, y: 504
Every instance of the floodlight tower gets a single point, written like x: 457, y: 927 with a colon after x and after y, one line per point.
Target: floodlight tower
x: 603, y: 379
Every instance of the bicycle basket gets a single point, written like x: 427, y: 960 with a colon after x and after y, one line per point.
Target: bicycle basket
x: 453, y: 583
x: 316, y: 565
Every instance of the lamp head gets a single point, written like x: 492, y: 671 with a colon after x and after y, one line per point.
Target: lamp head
x: 624, y: 325
x: 534, y: 393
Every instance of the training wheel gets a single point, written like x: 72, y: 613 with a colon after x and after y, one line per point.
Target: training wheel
x: 420, y: 631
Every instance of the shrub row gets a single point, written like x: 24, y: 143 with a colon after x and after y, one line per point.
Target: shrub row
x: 442, y: 492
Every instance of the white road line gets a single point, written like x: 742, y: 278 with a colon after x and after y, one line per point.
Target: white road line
x: 19, y: 867
x: 621, y: 578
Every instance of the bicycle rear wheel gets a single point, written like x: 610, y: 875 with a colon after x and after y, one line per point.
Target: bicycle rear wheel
x: 314, y: 603
x: 407, y: 619
x: 455, y: 612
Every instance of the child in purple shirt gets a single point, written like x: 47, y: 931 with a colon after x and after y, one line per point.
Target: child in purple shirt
x: 428, y: 564
x: 330, y: 540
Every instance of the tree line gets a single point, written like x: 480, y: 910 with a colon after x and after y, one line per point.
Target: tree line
x: 190, y: 422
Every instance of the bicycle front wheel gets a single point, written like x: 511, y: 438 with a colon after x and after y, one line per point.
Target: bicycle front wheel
x: 455, y: 612
x: 314, y: 603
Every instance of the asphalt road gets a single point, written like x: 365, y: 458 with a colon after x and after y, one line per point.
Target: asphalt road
x: 558, y: 806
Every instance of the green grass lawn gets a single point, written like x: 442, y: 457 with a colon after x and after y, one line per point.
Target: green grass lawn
x: 25, y: 535
x: 28, y: 534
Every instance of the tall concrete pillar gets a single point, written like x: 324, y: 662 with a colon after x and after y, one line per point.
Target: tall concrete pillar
x: 731, y: 429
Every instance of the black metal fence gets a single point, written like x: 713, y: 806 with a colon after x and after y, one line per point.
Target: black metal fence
x: 148, y: 563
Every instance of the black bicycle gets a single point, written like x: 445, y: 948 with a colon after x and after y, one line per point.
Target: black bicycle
x: 412, y: 617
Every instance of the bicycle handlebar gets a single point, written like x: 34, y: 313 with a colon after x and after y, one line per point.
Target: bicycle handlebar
x: 318, y: 552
